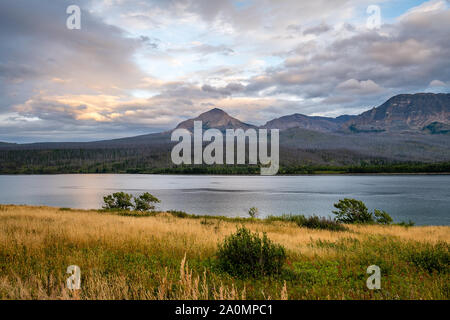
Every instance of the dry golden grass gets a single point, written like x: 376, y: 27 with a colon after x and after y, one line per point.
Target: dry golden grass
x: 27, y: 233
x: 32, y: 225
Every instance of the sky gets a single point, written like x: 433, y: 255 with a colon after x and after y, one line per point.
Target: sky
x: 138, y: 67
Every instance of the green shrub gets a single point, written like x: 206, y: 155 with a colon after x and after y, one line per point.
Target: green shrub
x: 178, y: 213
x: 313, y: 222
x: 245, y: 254
x: 316, y: 222
x: 432, y: 258
x: 406, y: 224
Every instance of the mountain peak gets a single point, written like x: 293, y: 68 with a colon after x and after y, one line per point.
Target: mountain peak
x: 216, y: 110
x: 405, y: 112
x: 215, y: 118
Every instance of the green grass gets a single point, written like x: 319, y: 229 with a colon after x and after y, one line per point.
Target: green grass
x: 122, y: 257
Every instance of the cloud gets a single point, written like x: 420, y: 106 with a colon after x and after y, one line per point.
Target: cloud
x: 426, y: 7
x: 205, y: 49
x: 40, y: 48
x: 359, y: 87
x: 399, y: 53
x: 228, y: 90
x: 437, y: 83
x: 143, y: 66
x: 317, y: 30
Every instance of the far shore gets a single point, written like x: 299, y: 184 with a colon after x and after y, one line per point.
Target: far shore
x: 250, y: 175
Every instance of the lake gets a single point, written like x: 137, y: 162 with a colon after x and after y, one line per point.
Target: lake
x: 424, y: 199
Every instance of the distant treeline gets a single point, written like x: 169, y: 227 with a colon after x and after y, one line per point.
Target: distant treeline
x: 86, y: 162
x: 311, y: 169
x: 156, y: 160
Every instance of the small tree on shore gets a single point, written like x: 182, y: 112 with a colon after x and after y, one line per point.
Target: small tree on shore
x: 145, y: 202
x: 382, y: 217
x: 355, y: 211
x: 118, y: 200
x: 352, y: 211
x: 253, y: 212
x: 122, y: 201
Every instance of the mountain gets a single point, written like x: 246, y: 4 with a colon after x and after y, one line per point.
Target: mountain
x: 421, y: 112
x: 297, y: 120
x: 215, y: 118
x: 405, y: 112
x: 406, y: 128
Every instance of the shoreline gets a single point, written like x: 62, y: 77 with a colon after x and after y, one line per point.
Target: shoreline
x: 183, y: 214
x: 243, y: 175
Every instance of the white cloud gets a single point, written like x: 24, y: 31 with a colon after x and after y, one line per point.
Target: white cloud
x: 437, y: 83
x: 359, y: 87
x: 426, y: 7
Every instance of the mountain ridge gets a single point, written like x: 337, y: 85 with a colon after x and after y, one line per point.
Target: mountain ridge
x: 334, y: 142
x: 404, y: 112
x: 420, y: 113
x: 316, y: 123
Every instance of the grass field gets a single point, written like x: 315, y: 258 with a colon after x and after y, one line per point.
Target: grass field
x: 165, y: 256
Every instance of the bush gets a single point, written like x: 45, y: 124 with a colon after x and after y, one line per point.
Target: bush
x: 121, y: 201
x: 178, y: 213
x: 316, y: 222
x: 313, y: 222
x: 406, y: 224
x: 355, y: 211
x: 432, y: 258
x: 245, y: 254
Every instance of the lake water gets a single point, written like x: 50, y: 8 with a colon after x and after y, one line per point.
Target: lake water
x: 425, y: 199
